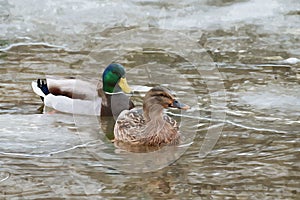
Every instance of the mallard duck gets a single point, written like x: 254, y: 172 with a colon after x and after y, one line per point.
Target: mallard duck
x: 150, y: 126
x: 82, y: 97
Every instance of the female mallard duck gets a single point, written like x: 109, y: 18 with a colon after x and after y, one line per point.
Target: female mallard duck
x: 150, y: 127
x: 82, y: 97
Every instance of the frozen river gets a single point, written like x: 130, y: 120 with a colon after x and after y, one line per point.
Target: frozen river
x: 235, y: 62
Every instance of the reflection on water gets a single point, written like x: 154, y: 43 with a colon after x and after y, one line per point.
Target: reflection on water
x: 57, y: 155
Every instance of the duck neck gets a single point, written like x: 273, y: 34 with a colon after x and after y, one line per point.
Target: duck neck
x: 153, y: 112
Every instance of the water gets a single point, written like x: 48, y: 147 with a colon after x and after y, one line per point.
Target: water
x: 242, y: 144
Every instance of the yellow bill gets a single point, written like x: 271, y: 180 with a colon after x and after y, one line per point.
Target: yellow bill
x: 124, y: 85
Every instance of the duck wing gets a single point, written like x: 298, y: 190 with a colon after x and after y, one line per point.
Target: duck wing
x: 73, y: 88
x: 129, y: 125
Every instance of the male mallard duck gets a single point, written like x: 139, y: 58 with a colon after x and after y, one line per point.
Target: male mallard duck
x: 82, y: 97
x: 150, y: 127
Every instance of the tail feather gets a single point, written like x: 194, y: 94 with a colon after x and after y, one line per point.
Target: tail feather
x: 36, y: 89
x: 40, y: 88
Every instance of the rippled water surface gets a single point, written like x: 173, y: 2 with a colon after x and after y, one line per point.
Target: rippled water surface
x: 240, y: 139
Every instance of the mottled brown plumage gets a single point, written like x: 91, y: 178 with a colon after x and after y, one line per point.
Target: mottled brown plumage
x: 150, y: 126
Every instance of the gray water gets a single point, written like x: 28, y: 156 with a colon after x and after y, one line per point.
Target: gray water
x: 235, y: 62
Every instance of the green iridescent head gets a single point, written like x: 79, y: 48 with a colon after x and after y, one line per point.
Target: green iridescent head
x: 114, y: 79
